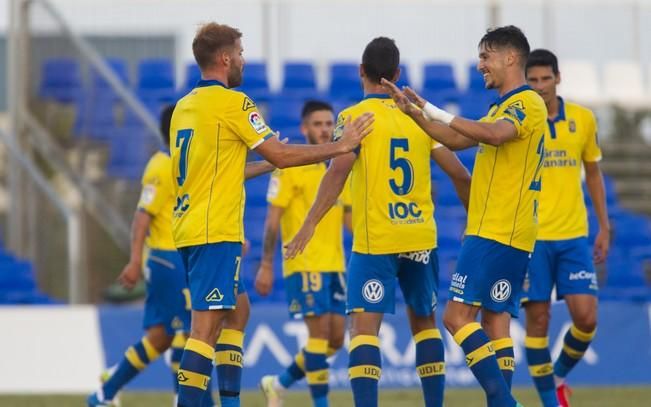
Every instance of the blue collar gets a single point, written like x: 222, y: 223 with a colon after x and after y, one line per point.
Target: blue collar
x: 377, y: 96
x: 561, y: 111
x: 507, y: 95
x: 165, y: 150
x: 209, y: 82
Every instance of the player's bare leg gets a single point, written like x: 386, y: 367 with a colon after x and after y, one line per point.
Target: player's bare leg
x: 430, y: 363
x: 459, y: 319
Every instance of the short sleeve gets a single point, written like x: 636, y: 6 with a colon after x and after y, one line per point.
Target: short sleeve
x: 247, y: 122
x: 435, y: 144
x: 153, y: 194
x: 591, y: 150
x: 280, y: 190
x: 515, y: 114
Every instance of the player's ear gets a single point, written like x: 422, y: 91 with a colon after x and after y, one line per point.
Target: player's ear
x: 362, y: 74
x: 396, y: 76
x: 558, y: 78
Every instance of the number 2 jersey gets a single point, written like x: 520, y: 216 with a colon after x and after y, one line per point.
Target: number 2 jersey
x: 506, y: 179
x: 391, y: 192
x: 211, y: 131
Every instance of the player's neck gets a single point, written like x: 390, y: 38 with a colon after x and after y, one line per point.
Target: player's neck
x: 374, y: 89
x: 553, y: 107
x: 511, y: 83
x: 215, y: 75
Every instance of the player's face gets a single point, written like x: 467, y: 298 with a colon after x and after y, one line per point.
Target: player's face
x: 543, y: 80
x: 236, y: 66
x: 492, y: 64
x: 318, y: 126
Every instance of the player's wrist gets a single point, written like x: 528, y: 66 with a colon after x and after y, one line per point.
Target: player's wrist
x: 433, y: 113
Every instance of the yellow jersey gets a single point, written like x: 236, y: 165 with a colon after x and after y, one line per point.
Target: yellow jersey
x: 212, y: 128
x: 572, y: 138
x: 157, y: 199
x: 506, y: 179
x: 391, y: 192
x: 294, y: 190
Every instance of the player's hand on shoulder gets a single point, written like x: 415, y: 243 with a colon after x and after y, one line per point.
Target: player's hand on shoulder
x: 130, y: 275
x: 264, y: 279
x: 354, y: 131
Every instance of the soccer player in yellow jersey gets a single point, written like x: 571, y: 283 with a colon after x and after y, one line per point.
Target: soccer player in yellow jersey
x: 314, y: 281
x: 394, y: 232
x: 212, y: 129
x: 502, y: 224
x: 562, y: 257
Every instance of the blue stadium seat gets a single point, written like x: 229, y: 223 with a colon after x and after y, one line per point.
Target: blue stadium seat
x: 130, y: 149
x: 474, y: 105
x: 285, y: 113
x: 100, y: 88
x: 100, y: 120
x: 439, y: 85
x: 255, y: 82
x: 61, y: 81
x: 156, y: 80
x: 299, y: 81
x: 345, y: 83
x: 256, y: 191
x: 475, y: 79
x: 192, y: 76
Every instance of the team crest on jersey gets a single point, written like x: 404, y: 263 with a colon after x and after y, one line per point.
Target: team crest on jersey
x: 339, y: 129
x: 256, y: 121
x: 572, y: 126
x: 501, y: 291
x: 248, y: 104
x: 516, y: 111
x: 148, y: 194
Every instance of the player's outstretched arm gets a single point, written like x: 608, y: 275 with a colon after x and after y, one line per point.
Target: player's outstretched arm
x: 256, y: 168
x: 595, y: 183
x: 130, y: 275
x: 410, y: 103
x: 291, y: 155
x: 264, y: 279
x: 458, y: 173
x: 329, y: 190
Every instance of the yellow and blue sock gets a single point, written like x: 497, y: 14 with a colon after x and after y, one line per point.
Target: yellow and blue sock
x: 364, y: 369
x: 194, y: 372
x: 575, y: 343
x: 540, y: 369
x: 480, y: 358
x: 295, y: 371
x: 176, y: 353
x: 430, y: 365
x: 316, y: 370
x: 136, y: 358
x: 505, y: 358
x: 228, y: 359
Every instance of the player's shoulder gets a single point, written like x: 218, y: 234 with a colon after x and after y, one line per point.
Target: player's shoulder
x: 578, y: 111
x: 159, y: 163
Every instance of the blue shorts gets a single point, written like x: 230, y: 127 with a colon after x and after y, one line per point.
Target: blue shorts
x: 372, y: 281
x: 489, y: 274
x: 315, y: 293
x: 213, y: 274
x: 167, y: 302
x: 566, y: 264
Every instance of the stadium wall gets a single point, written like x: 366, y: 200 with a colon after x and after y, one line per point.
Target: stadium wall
x: 63, y: 349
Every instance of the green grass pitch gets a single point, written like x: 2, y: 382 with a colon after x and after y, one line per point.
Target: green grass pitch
x: 583, y: 397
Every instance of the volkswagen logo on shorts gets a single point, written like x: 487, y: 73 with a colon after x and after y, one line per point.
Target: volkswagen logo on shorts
x: 373, y: 291
x: 501, y: 291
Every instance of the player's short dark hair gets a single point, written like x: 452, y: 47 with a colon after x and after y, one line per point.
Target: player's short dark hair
x: 211, y: 38
x: 543, y: 57
x: 508, y: 36
x: 312, y: 106
x: 381, y: 59
x: 165, y: 120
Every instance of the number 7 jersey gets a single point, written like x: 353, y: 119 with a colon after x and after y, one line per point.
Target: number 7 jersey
x: 211, y: 131
x: 507, y: 179
x: 391, y: 192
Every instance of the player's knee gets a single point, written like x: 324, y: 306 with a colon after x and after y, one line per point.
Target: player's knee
x: 586, y: 322
x: 453, y: 322
x: 159, y: 339
x: 537, y: 323
x: 420, y: 323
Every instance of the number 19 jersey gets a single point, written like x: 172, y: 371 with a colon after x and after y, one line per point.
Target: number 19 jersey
x: 391, y: 193
x: 211, y: 129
